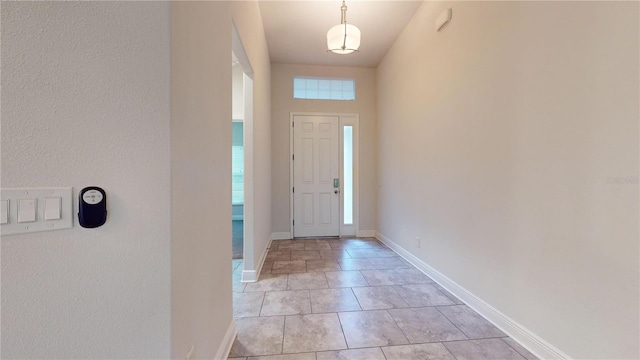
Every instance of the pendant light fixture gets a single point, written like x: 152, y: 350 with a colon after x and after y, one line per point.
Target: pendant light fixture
x: 344, y: 38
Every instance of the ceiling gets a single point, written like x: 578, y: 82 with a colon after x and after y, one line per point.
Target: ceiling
x: 296, y: 30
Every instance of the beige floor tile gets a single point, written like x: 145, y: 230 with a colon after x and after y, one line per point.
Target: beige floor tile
x: 291, y: 246
x: 434, y: 351
x: 317, y: 246
x: 352, y: 354
x: 334, y: 254
x: 305, y: 255
x: 470, y: 323
x: 371, y: 328
x: 287, y: 267
x: 446, y: 293
x: 356, y: 264
x: 311, y: 280
x: 247, y: 304
x: 266, y: 267
x: 422, y: 295
x: 485, y: 349
x: 374, y: 263
x: 390, y: 263
x: 379, y: 297
x: 303, y: 356
x: 414, y: 276
x: 322, y: 265
x: 315, y: 332
x: 355, y: 244
x: 250, y: 342
x: 286, y: 303
x: 338, y: 279
x: 270, y: 282
x: 333, y: 300
x: 383, y: 277
x: 370, y: 253
x: 520, y: 349
x: 338, y: 245
x: 278, y: 255
x: 275, y: 243
x: 421, y: 325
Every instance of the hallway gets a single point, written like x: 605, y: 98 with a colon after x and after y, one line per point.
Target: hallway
x: 330, y: 299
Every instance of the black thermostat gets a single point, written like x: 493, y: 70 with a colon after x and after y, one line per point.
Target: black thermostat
x: 92, y: 207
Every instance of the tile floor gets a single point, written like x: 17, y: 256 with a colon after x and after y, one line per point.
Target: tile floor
x: 341, y: 299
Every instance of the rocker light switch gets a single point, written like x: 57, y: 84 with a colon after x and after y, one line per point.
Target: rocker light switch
x: 26, y: 210
x: 52, y: 208
x: 4, y: 211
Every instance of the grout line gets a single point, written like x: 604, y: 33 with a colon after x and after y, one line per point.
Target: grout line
x: 284, y: 326
x: 264, y: 296
x: 452, y: 323
x: 398, y: 326
x: 516, y: 350
x: 342, y: 329
x: 356, y: 296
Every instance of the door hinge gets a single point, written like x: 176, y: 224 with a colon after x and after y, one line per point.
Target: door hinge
x: 293, y: 156
x: 293, y: 124
x: 294, y: 222
x: 294, y: 189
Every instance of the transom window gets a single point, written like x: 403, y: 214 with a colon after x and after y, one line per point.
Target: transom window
x: 321, y: 88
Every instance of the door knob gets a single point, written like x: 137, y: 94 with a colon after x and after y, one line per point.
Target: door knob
x: 336, y: 191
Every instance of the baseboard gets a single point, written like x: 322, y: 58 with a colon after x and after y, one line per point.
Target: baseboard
x: 253, y: 275
x: 532, y: 342
x: 249, y: 276
x: 281, y: 235
x: 227, y: 342
x: 365, y: 233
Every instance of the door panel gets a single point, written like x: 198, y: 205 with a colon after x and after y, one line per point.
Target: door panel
x: 316, y: 204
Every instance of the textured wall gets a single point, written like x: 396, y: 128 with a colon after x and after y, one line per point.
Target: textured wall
x: 504, y: 142
x: 201, y: 138
x: 248, y: 23
x: 201, y: 129
x: 284, y: 103
x: 85, y: 101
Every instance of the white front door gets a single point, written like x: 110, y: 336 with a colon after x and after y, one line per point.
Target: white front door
x: 316, y: 190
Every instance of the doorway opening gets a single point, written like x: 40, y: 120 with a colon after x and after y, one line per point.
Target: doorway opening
x: 237, y: 161
x: 242, y: 162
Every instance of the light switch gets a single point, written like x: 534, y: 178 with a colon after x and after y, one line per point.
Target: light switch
x: 4, y: 211
x: 31, y: 210
x: 52, y: 208
x: 26, y: 210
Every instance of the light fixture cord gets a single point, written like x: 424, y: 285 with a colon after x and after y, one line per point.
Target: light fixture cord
x: 343, y: 8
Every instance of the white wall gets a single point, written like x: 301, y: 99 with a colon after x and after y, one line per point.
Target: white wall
x: 248, y: 22
x: 200, y: 176
x: 284, y: 104
x: 201, y: 165
x: 85, y: 101
x: 237, y: 96
x: 498, y: 141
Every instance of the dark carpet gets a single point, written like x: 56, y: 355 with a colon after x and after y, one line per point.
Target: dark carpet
x: 238, y: 237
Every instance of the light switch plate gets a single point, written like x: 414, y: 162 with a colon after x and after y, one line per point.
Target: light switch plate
x: 41, y: 197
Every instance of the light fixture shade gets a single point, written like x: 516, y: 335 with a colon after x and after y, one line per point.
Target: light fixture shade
x: 343, y: 39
